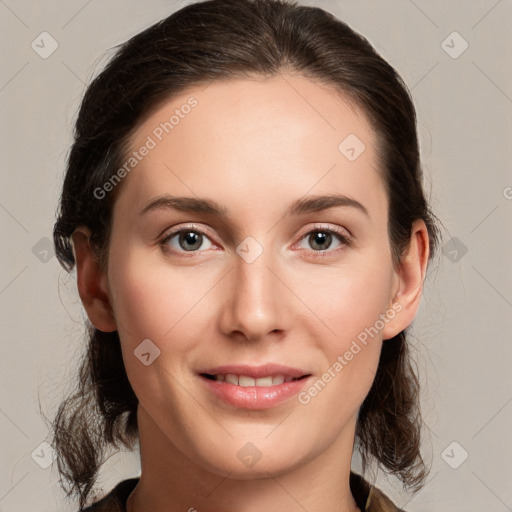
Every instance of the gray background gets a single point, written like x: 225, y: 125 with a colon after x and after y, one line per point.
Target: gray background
x: 462, y: 333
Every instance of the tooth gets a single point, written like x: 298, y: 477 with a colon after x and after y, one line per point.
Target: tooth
x: 232, y: 378
x: 245, y: 381
x: 264, y: 381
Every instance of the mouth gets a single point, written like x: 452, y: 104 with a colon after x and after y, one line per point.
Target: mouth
x: 254, y: 387
x: 248, y: 381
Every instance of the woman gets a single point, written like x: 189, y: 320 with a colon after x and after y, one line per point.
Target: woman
x: 243, y: 203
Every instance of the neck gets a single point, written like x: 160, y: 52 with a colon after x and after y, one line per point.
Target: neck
x: 171, y: 482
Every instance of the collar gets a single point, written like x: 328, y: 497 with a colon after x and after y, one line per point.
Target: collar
x: 368, y: 497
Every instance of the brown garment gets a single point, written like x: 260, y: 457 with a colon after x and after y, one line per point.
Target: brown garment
x: 368, y: 497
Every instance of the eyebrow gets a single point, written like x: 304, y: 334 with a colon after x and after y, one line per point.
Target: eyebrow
x: 309, y: 204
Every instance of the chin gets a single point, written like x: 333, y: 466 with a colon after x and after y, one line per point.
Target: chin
x: 248, y: 460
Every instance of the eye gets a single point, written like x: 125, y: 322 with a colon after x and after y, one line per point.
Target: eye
x: 191, y: 239
x: 320, y: 239
x: 186, y: 240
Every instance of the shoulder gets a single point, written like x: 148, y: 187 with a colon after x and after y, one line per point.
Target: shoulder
x: 370, y: 498
x: 379, y: 502
x: 115, y: 500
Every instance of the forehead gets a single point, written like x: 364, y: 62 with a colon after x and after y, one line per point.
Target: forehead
x: 254, y: 141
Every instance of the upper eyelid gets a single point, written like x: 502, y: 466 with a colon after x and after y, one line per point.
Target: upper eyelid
x: 317, y: 226
x: 192, y: 227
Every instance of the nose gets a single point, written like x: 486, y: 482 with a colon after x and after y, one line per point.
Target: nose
x: 256, y: 301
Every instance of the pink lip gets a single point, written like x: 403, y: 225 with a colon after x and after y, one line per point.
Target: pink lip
x: 255, y: 397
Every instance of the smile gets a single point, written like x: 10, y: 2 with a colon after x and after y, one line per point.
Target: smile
x: 247, y: 381
x: 253, y: 387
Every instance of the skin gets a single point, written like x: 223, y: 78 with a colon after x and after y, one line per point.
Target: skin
x: 255, y: 146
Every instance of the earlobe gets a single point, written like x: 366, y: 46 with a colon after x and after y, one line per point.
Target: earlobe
x: 92, y: 282
x: 410, y: 278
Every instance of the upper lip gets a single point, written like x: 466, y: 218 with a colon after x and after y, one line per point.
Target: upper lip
x: 255, y: 372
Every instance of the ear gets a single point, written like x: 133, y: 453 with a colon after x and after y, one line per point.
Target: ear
x: 409, y: 278
x: 92, y: 282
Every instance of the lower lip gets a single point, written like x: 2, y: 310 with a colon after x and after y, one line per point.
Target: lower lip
x: 254, y: 397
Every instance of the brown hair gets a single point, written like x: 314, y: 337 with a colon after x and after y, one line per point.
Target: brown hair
x: 201, y: 42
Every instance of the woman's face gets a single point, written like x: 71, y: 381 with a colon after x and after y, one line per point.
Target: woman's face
x: 268, y: 282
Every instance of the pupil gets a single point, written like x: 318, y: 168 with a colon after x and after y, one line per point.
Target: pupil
x: 321, y: 238
x: 191, y: 238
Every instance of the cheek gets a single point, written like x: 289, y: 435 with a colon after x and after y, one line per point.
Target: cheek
x: 351, y: 302
x: 154, y: 302
x: 151, y: 299
x: 346, y: 300
x: 350, y: 350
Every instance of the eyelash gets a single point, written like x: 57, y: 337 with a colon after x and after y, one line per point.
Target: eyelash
x: 345, y: 240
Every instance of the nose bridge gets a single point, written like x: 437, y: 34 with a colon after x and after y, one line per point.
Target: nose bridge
x: 256, y: 303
